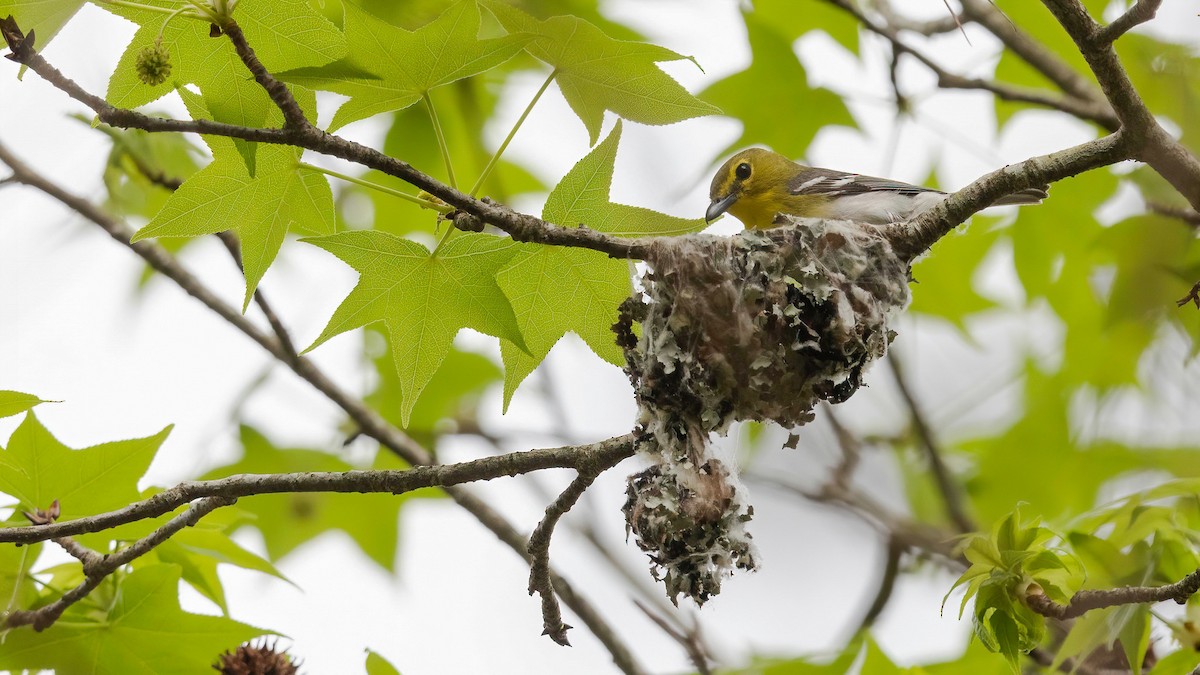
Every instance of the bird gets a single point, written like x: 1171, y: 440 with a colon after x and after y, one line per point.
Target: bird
x: 756, y: 185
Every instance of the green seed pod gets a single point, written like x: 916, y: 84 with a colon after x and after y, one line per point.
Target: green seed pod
x: 154, y: 64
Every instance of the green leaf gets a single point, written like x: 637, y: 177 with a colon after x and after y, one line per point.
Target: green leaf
x: 556, y: 289
x: 377, y: 665
x: 287, y: 521
x: 423, y: 300
x: 1135, y: 636
x: 15, y: 403
x: 285, y: 34
x: 36, y: 469
x: 452, y: 392
x: 389, y: 68
x: 18, y: 589
x: 1181, y: 662
x: 944, y: 285
x: 796, y: 18
x: 282, y: 196
x: 198, y: 551
x: 42, y: 17
x: 144, y: 633
x: 785, y: 117
x: 597, y: 73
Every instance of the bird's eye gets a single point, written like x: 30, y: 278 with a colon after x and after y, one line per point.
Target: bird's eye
x: 742, y: 171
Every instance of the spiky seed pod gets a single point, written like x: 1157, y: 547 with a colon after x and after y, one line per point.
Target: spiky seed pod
x: 251, y: 659
x: 154, y: 64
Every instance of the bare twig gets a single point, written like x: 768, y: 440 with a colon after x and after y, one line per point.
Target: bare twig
x: 392, y: 481
x: 947, y: 487
x: 1093, y: 109
x: 1187, y: 215
x: 281, y: 332
x: 691, y: 641
x: 539, y: 542
x: 887, y: 584
x: 913, y: 238
x: 293, y: 116
x: 1140, y: 13
x: 98, y: 570
x: 1085, y: 601
x: 1150, y: 143
x: 1192, y: 296
x: 1033, y: 52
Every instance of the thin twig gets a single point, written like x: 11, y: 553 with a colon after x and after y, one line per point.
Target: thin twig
x: 1085, y: 601
x: 293, y: 115
x: 230, y: 240
x: 1187, y: 215
x: 1192, y: 296
x: 949, y: 489
x: 1085, y: 108
x: 43, y: 617
x: 691, y: 641
x: 539, y: 552
x: 1140, y: 13
x: 887, y: 583
x: 396, y: 481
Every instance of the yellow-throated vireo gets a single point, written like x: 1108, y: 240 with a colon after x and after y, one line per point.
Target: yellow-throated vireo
x: 756, y: 185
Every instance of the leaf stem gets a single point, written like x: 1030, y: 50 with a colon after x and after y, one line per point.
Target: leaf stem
x: 441, y: 139
x: 419, y: 201
x: 487, y: 170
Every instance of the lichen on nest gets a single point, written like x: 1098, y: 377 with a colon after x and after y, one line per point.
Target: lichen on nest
x: 759, y: 326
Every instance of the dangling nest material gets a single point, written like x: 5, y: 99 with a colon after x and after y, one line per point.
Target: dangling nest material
x: 759, y: 326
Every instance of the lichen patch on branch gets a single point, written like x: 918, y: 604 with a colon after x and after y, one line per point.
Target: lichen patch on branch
x: 759, y: 326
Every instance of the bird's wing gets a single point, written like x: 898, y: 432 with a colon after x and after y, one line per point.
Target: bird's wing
x: 830, y: 183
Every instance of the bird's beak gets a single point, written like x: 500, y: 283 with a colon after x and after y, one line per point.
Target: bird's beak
x: 719, y: 206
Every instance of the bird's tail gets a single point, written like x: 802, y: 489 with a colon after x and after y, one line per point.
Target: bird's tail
x: 1030, y: 196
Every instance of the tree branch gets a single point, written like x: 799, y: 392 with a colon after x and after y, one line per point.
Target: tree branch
x: 1140, y: 13
x: 1150, y: 143
x: 1085, y: 601
x: 43, y: 617
x: 369, y: 422
x: 520, y: 226
x: 951, y: 492
x: 539, y: 553
x: 1088, y: 109
x: 398, y: 481
x: 293, y: 116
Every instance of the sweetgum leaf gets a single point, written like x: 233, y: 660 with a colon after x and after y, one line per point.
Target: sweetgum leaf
x: 37, y: 469
x: 42, y: 17
x: 555, y: 289
x: 389, y: 68
x: 144, y: 633
x: 596, y: 72
x: 377, y: 665
x: 282, y: 196
x: 15, y: 403
x: 423, y: 299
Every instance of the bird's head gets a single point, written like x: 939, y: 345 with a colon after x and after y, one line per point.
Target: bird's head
x: 753, y: 186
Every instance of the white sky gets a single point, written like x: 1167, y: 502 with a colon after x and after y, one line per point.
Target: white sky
x: 72, y: 329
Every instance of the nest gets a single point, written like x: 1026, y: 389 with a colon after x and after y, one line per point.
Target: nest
x: 759, y: 326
